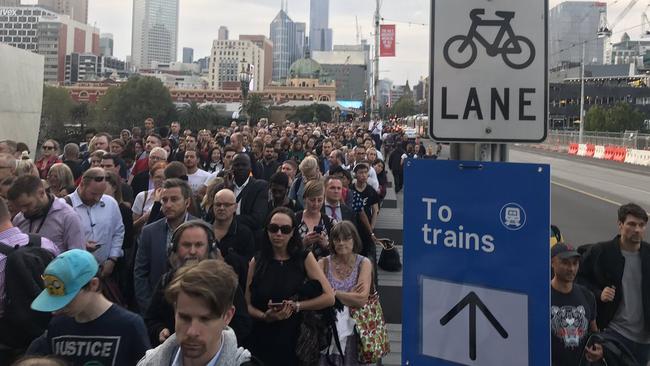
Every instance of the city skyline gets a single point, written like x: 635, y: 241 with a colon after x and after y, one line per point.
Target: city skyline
x: 154, y: 36
x: 200, y: 20
x: 320, y: 33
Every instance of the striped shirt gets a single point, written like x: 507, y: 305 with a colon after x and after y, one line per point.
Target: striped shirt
x: 13, y: 237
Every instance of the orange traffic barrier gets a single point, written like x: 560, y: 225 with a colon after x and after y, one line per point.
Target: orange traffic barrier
x: 620, y: 154
x: 609, y: 152
x: 591, y: 150
x: 573, y: 149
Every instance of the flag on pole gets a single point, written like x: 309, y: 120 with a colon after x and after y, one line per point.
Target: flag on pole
x: 387, y: 40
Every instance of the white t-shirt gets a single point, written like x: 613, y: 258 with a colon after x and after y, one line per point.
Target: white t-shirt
x: 211, y: 177
x: 140, y: 206
x: 197, y: 179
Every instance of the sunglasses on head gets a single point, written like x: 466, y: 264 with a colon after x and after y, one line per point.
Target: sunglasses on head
x: 285, y: 229
x: 99, y: 178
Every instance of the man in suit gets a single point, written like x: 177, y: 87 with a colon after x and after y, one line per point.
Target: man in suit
x: 334, y: 206
x: 251, y: 194
x: 155, y: 240
x: 143, y: 181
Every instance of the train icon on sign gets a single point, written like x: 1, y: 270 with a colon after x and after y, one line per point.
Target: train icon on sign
x: 518, y: 52
x: 512, y: 216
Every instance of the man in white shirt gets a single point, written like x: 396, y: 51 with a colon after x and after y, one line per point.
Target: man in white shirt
x: 196, y: 177
x: 101, y: 220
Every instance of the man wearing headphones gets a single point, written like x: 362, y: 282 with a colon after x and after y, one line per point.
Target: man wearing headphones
x: 192, y: 241
x: 155, y: 240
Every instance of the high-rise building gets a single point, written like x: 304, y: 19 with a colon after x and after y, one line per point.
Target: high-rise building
x: 302, y: 40
x: 155, y: 32
x: 106, y: 44
x: 349, y: 68
x: 76, y: 9
x: 204, y: 65
x: 320, y: 34
x: 19, y: 26
x: 9, y: 2
x: 188, y: 55
x: 59, y: 36
x: 49, y: 34
x: 229, y: 58
x: 82, y: 67
x: 223, y: 33
x: 283, y: 36
x: 569, y: 25
x: 265, y: 44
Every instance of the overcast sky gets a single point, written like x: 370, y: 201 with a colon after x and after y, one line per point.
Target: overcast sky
x: 200, y: 21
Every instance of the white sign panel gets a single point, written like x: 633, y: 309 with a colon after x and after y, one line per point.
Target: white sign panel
x: 472, y: 325
x: 488, y: 70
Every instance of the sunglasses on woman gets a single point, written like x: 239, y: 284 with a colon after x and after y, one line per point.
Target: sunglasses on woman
x: 285, y: 229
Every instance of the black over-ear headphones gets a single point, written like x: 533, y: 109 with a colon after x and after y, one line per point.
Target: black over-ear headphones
x: 176, y: 236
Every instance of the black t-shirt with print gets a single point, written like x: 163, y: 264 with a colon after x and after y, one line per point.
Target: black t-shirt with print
x: 117, y: 337
x: 364, y: 199
x: 571, y: 315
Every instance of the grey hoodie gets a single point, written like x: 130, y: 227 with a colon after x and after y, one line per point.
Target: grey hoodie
x: 231, y: 355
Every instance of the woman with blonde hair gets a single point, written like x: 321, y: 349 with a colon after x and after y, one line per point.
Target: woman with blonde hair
x: 314, y: 226
x: 26, y: 167
x: 60, y: 180
x: 309, y: 171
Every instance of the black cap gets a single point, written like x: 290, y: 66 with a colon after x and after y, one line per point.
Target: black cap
x: 564, y: 251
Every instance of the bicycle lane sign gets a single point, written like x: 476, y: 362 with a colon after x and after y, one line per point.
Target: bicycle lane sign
x: 489, y: 71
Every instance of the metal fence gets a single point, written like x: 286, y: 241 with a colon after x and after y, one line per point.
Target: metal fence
x: 560, y: 140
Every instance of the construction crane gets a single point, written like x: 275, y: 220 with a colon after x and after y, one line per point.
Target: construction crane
x: 645, y: 22
x: 356, y: 18
x: 605, y: 29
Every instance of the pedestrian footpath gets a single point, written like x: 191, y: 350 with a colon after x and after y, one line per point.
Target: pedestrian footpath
x: 389, y: 225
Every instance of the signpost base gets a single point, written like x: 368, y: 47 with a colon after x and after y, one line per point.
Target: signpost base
x: 479, y: 152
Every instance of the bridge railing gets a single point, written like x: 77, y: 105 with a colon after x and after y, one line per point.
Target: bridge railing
x: 560, y: 140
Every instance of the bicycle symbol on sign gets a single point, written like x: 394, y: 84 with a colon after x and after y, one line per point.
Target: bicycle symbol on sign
x: 460, y: 50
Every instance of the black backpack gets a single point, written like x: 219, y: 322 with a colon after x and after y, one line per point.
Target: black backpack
x: 24, y: 266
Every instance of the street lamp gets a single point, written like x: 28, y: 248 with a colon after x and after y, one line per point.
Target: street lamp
x: 245, y: 79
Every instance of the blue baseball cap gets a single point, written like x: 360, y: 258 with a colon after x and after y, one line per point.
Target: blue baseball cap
x: 63, y: 278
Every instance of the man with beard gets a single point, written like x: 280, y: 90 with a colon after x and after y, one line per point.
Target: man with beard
x: 251, y: 194
x: 202, y: 295
x: 269, y: 164
x: 618, y: 273
x: 43, y: 214
x: 193, y: 242
x: 101, y: 220
x: 156, y: 239
x: 573, y: 311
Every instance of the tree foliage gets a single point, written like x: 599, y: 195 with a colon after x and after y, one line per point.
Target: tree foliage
x: 132, y: 102
x: 311, y: 113
x: 198, y: 117
x: 618, y: 118
x: 404, y: 107
x: 56, y: 112
x: 255, y: 109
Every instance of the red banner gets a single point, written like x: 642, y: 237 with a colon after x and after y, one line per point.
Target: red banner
x: 387, y: 40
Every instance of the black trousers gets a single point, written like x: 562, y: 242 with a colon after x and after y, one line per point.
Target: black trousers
x: 399, y: 181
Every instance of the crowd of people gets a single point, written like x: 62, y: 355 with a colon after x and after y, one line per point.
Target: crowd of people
x: 166, y: 246
x: 170, y: 246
